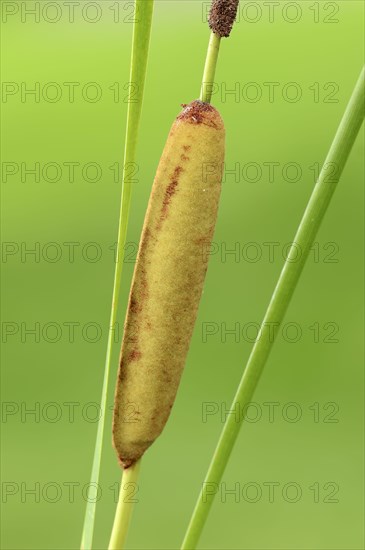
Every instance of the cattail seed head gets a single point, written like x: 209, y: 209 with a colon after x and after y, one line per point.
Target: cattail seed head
x: 168, y: 278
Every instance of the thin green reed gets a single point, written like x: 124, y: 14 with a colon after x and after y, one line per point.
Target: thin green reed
x: 321, y: 196
x: 143, y: 10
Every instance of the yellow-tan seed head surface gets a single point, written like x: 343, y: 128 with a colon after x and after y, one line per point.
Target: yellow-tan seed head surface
x: 168, y: 278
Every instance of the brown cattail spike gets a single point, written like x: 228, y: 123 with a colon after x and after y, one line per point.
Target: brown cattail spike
x: 222, y: 16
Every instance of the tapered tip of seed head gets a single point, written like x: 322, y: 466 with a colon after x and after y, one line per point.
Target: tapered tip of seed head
x: 125, y: 464
x: 125, y: 459
x: 222, y: 16
x: 199, y: 112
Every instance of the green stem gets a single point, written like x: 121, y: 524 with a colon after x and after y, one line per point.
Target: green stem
x: 209, y: 69
x: 140, y: 46
x: 124, y: 508
x: 309, y: 225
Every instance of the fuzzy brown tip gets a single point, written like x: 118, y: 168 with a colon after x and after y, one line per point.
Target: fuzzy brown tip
x: 199, y: 112
x: 222, y: 16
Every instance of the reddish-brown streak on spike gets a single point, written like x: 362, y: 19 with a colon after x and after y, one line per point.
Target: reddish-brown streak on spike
x: 171, y: 188
x: 134, y: 355
x: 202, y: 240
x: 121, y: 372
x: 134, y: 306
x: 144, y: 241
x: 169, y: 193
x: 184, y: 157
x: 144, y: 283
x: 186, y: 147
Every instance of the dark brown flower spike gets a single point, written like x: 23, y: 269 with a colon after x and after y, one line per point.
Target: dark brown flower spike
x: 222, y: 16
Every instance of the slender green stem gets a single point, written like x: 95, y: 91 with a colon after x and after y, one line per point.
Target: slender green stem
x: 140, y: 46
x: 125, y: 507
x: 309, y: 225
x: 209, y: 69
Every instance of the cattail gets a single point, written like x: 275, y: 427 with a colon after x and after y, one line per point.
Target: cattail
x: 168, y: 278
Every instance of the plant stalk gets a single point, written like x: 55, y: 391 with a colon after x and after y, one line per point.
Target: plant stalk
x: 140, y: 46
x: 209, y: 68
x: 304, y: 238
x: 125, y: 507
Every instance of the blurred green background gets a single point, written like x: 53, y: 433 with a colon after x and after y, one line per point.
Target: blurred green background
x: 292, y: 66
